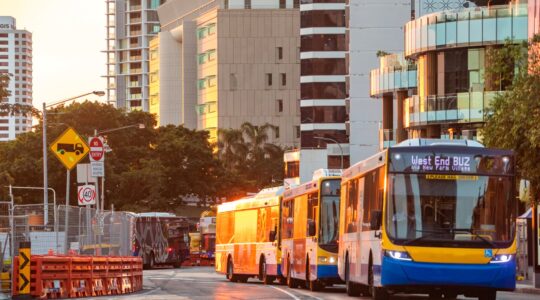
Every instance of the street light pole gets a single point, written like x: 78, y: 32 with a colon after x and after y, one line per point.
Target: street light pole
x: 335, y: 142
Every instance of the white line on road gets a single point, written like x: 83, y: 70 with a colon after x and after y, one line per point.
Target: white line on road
x: 307, y: 294
x: 285, y: 292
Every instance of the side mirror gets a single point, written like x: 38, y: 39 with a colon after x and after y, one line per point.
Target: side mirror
x: 272, y: 236
x: 376, y: 220
x: 311, y: 228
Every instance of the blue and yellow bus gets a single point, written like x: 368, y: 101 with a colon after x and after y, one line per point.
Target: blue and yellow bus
x: 429, y: 216
x: 310, y: 224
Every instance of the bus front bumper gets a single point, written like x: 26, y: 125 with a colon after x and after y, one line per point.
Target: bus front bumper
x: 399, y: 273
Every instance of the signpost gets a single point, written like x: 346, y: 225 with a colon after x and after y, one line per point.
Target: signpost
x: 86, y: 194
x: 69, y: 148
x: 24, y: 269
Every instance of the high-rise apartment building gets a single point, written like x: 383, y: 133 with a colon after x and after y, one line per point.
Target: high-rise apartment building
x: 238, y: 62
x: 340, y: 39
x: 438, y: 87
x: 16, y: 61
x: 130, y: 26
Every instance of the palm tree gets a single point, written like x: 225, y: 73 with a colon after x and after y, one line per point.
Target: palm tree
x: 258, y: 137
x: 232, y: 149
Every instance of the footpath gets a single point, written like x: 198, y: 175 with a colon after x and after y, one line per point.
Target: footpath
x: 526, y: 286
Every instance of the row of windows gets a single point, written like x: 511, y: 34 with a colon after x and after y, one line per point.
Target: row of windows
x: 362, y: 196
x: 322, y: 18
x: 22, y: 35
x: 323, y: 66
x: 269, y: 80
x: 308, y: 140
x: 205, y: 31
x: 323, y: 90
x: 209, y: 55
x: 207, y: 82
x: 323, y: 114
x: 323, y: 42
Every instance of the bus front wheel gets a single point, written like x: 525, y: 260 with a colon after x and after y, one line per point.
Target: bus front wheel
x: 352, y: 288
x: 230, y: 271
x: 378, y: 293
x: 312, y: 285
x: 263, y: 272
x: 291, y: 282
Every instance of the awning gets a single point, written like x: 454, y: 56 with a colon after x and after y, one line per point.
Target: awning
x: 526, y: 215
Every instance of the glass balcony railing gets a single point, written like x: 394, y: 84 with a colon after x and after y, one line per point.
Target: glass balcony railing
x: 383, y: 81
x: 386, y: 138
x: 457, y: 108
x: 471, y: 27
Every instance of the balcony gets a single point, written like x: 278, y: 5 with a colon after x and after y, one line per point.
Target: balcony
x: 135, y: 97
x: 476, y: 26
x: 386, y: 138
x: 457, y: 108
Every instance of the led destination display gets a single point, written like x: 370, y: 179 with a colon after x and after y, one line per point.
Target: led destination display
x: 452, y: 163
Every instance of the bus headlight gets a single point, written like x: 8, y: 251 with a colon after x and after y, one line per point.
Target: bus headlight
x: 327, y: 260
x: 501, y: 258
x: 399, y: 255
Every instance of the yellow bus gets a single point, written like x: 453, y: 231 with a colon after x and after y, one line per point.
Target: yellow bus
x: 310, y: 223
x: 430, y: 217
x: 248, y: 238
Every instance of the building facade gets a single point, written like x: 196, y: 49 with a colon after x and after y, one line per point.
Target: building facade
x: 449, y: 49
x: 239, y: 63
x: 16, y: 62
x: 130, y: 26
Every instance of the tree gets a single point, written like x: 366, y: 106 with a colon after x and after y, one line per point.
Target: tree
x: 11, y: 109
x: 512, y: 119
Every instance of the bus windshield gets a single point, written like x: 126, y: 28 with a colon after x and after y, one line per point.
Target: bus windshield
x: 450, y: 210
x: 329, y: 221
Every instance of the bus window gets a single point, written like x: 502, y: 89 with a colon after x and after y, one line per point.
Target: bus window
x: 300, y: 217
x: 351, y: 207
x: 225, y: 225
x: 329, y: 212
x: 288, y: 220
x: 373, y: 193
x: 312, y: 209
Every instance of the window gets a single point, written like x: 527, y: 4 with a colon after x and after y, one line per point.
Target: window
x: 201, y: 84
x: 276, y: 131
x: 312, y: 208
x: 297, y: 130
x: 283, y: 79
x: 211, y: 54
x: 202, y: 33
x: 212, y: 29
x: 202, y: 58
x: 288, y: 218
x: 279, y: 53
x: 373, y: 195
x: 279, y: 104
x: 268, y: 79
x: 4, y: 35
x: 212, y: 81
x: 351, y: 206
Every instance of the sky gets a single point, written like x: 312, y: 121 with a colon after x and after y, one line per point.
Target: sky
x: 68, y: 37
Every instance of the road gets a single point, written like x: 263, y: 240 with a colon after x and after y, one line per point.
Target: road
x: 203, y: 283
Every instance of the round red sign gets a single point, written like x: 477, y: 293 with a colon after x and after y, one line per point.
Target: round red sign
x: 96, y: 149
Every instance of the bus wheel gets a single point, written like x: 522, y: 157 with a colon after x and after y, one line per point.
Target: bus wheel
x: 263, y: 275
x: 378, y: 293
x: 488, y: 295
x: 353, y: 289
x: 291, y: 282
x: 230, y: 271
x: 312, y: 285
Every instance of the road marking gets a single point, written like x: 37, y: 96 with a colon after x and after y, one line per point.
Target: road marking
x: 285, y: 292
x: 149, y: 292
x: 307, y: 294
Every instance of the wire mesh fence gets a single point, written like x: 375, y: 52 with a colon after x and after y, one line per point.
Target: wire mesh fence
x: 62, y: 230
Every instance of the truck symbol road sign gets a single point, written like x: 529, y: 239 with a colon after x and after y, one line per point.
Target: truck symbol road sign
x: 75, y: 148
x: 69, y: 148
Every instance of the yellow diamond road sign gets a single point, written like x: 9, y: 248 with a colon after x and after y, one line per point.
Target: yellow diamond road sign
x: 70, y: 148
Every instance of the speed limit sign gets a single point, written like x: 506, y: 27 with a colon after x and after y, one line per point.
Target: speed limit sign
x: 86, y: 194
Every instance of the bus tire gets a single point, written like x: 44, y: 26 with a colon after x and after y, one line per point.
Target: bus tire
x: 488, y: 295
x: 263, y: 272
x: 230, y: 271
x: 377, y: 293
x: 312, y: 285
x: 291, y: 282
x: 353, y: 289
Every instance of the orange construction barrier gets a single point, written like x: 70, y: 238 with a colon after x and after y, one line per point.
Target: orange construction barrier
x: 64, y: 276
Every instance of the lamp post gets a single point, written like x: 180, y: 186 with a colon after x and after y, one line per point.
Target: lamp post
x: 45, y: 178
x: 335, y: 142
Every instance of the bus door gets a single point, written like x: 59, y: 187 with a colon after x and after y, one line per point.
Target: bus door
x: 300, y: 233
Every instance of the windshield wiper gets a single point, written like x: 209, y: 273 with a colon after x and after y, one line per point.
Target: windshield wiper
x: 453, y: 230
x: 430, y: 233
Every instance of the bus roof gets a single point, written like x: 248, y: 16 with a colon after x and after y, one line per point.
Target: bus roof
x: 266, y: 197
x: 365, y: 165
x: 308, y: 187
x: 437, y: 142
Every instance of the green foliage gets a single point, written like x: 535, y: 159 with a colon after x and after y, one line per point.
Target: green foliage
x: 250, y: 161
x: 381, y: 53
x: 12, y: 108
x: 149, y: 169
x: 512, y: 121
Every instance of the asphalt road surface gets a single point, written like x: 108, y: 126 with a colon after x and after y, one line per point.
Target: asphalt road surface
x: 203, y: 283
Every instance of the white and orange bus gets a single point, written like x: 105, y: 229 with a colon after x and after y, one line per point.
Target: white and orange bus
x: 310, y: 226
x: 248, y: 237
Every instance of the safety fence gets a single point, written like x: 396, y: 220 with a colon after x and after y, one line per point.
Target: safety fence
x: 61, y: 230
x: 67, y: 276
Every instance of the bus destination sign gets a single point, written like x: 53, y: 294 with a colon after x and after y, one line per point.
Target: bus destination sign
x: 453, y: 163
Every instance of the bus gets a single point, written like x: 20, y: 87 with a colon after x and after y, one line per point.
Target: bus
x: 310, y: 224
x: 248, y: 237
x: 160, y: 238
x: 434, y: 217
